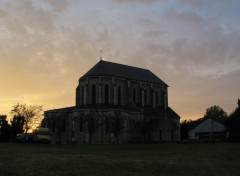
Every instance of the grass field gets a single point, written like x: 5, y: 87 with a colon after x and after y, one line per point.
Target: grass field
x: 218, y: 159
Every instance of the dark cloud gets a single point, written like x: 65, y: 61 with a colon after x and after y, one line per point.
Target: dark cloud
x: 153, y: 34
x: 183, y: 17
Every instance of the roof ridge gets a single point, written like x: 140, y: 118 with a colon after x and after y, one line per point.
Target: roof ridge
x: 123, y: 65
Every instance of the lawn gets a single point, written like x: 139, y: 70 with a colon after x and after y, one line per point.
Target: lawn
x: 218, y: 159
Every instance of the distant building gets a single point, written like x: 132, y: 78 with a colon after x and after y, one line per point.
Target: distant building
x: 209, y: 129
x: 116, y: 103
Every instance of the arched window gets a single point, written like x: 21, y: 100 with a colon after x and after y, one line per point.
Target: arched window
x: 73, y: 124
x: 82, y: 95
x: 134, y: 95
x: 53, y: 125
x: 163, y: 100
x: 91, y: 125
x: 119, y: 96
x: 81, y: 124
x: 172, y: 135
x: 156, y: 98
x: 63, y: 125
x: 151, y: 97
x: 106, y: 125
x: 106, y: 91
x: 93, y: 94
x: 160, y: 135
x: 145, y: 97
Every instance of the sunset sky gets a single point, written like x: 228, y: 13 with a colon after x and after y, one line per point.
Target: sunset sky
x: 192, y: 45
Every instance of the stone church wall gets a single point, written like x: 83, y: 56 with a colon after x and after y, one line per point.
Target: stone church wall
x: 156, y: 94
x: 78, y: 130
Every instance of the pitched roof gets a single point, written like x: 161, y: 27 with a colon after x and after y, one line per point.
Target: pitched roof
x: 160, y: 111
x: 105, y: 68
x: 172, y: 114
x: 67, y: 109
x: 199, y: 121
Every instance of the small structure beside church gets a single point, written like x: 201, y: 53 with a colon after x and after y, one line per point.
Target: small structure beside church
x: 209, y: 129
x: 116, y: 103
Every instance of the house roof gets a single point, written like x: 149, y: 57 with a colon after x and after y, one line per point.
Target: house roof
x: 208, y: 125
x: 198, y: 122
x: 105, y: 68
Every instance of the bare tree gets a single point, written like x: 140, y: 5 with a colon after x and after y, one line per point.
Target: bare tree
x: 116, y: 125
x: 32, y: 115
x: 91, y: 126
x: 146, y: 125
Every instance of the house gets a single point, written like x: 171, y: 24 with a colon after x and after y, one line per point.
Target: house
x: 116, y: 103
x: 209, y: 129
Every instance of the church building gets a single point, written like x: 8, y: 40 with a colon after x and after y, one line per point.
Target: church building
x: 116, y: 103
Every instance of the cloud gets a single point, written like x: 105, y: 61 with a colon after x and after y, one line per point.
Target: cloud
x: 201, y: 46
x: 40, y: 59
x: 3, y: 13
x: 59, y: 5
x: 194, y: 3
x: 135, y: 1
x: 209, y: 55
x: 186, y: 17
x: 153, y: 34
x: 45, y: 46
x: 206, y: 3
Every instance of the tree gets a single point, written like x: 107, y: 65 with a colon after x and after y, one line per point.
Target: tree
x: 17, y: 124
x: 233, y: 123
x: 186, y: 126
x: 91, y: 126
x: 4, y: 128
x: 116, y: 125
x: 146, y: 126
x: 32, y: 115
x: 215, y: 112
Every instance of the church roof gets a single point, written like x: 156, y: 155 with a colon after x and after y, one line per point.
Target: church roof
x: 105, y: 68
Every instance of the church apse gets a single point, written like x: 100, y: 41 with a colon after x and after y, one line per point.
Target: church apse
x: 114, y: 103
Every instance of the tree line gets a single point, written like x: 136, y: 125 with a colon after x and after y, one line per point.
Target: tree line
x: 24, y: 118
x: 231, y: 121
